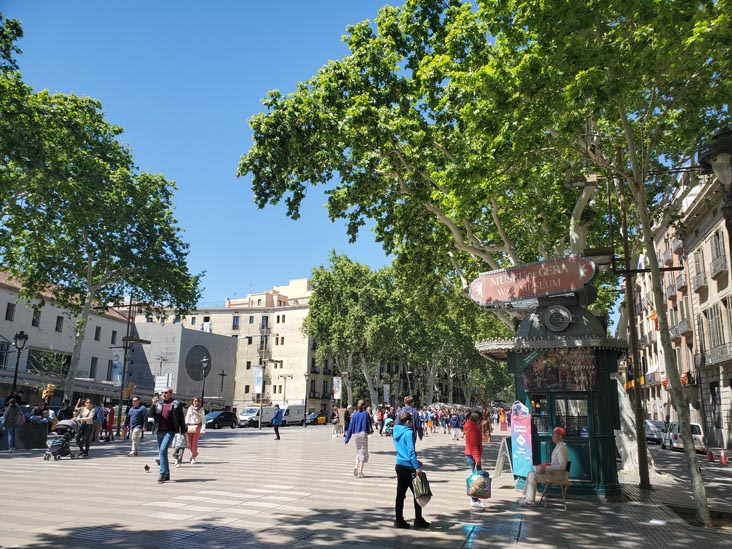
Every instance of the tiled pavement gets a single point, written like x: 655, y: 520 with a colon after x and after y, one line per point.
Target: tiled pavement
x: 252, y: 491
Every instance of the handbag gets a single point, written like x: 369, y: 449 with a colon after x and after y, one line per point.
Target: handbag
x: 369, y: 426
x: 422, y: 491
x: 180, y: 441
x: 479, y: 485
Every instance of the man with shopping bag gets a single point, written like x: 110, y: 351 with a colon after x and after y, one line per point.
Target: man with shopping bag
x: 407, y: 465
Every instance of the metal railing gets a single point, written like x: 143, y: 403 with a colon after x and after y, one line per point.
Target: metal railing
x: 699, y: 282
x: 719, y: 266
x: 719, y: 354
x: 684, y: 326
x: 681, y: 281
x: 667, y: 257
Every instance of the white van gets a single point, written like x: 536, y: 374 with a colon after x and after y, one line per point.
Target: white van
x: 249, y: 417
x: 294, y: 414
x: 672, y: 439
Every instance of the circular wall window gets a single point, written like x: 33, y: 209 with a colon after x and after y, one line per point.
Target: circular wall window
x: 194, y: 366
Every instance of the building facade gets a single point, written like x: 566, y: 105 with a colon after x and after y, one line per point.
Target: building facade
x: 46, y: 357
x: 266, y: 329
x: 708, y: 248
x: 698, y: 296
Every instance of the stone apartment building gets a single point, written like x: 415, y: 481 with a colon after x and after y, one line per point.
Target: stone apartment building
x: 699, y: 301
x: 267, y: 328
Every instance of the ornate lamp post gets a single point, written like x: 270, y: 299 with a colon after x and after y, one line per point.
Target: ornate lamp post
x: 19, y: 341
x: 307, y: 375
x: 205, y: 361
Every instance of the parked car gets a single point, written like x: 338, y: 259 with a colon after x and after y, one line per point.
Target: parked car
x: 655, y: 430
x: 672, y: 439
x: 217, y: 420
x: 316, y: 419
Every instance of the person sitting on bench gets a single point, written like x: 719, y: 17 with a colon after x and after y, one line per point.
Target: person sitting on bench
x: 560, y: 457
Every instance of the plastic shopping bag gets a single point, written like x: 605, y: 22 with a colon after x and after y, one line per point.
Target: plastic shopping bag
x: 479, y: 485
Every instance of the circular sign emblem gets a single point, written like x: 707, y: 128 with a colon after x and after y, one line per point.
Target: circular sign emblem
x: 557, y: 318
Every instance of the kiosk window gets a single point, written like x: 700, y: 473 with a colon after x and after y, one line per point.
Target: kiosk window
x: 572, y: 414
x: 540, y: 413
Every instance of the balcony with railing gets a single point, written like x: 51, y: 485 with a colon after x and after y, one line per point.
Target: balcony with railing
x: 644, y: 341
x: 699, y: 282
x: 314, y: 370
x: 677, y: 246
x: 671, y: 291
x: 644, y: 303
x: 652, y: 337
x: 327, y: 371
x: 681, y: 282
x: 667, y: 257
x: 314, y: 394
x: 719, y: 266
x: 674, y: 333
x: 719, y: 354
x: 264, y: 329
x: 684, y: 327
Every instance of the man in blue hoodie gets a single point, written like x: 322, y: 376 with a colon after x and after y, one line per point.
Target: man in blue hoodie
x: 416, y: 426
x: 406, y: 466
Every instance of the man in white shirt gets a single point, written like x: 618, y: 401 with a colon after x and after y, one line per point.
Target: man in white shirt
x: 560, y: 458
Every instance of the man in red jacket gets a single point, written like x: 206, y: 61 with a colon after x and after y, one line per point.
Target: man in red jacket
x: 474, y: 450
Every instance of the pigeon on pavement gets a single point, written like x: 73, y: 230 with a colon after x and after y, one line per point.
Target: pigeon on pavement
x: 147, y: 468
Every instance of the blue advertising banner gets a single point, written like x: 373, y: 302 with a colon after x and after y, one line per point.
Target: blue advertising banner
x: 521, y: 439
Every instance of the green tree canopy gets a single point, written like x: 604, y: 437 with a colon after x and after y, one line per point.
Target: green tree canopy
x: 80, y: 221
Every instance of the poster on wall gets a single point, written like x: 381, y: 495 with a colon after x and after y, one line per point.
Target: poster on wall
x: 258, y: 379
x: 521, y: 439
x: 560, y: 370
x: 336, y: 387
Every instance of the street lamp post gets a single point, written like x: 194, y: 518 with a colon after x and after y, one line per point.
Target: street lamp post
x: 205, y: 361
x: 284, y: 395
x: 127, y: 341
x: 19, y: 341
x: 160, y: 358
x: 307, y: 376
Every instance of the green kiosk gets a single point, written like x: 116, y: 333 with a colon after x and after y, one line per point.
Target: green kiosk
x: 561, y: 359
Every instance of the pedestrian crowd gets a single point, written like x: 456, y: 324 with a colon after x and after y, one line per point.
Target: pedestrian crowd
x: 177, y: 426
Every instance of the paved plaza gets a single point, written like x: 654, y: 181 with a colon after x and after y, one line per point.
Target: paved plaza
x: 252, y: 491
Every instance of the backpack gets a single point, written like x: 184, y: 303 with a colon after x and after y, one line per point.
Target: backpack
x: 20, y: 418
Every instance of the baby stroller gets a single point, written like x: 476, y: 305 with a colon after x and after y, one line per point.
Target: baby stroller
x: 60, y: 446
x: 388, y: 427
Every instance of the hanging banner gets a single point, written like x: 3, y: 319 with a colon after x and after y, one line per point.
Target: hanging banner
x: 116, y: 371
x: 387, y: 396
x: 521, y: 439
x: 336, y: 387
x: 258, y: 380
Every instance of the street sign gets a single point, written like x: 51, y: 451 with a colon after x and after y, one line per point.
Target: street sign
x: 545, y: 278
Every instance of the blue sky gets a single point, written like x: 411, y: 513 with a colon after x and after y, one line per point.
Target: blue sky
x: 183, y: 78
